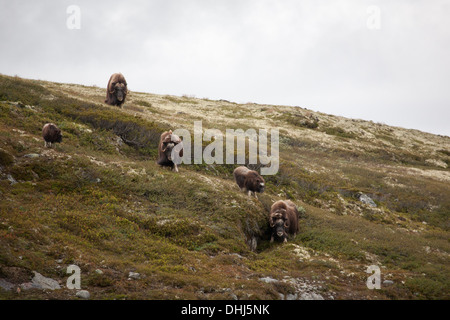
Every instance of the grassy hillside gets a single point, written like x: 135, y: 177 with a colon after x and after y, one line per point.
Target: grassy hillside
x: 98, y: 200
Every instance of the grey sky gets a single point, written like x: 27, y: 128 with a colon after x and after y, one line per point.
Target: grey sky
x: 317, y: 54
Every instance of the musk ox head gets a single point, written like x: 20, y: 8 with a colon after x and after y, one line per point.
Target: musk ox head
x: 279, y: 224
x: 255, y: 182
x: 117, y: 90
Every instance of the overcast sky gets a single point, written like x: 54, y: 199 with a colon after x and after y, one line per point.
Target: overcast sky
x: 386, y: 61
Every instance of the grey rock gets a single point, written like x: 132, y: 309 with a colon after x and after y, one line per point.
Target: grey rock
x: 119, y: 141
x: 98, y: 271
x: 388, y: 282
x: 11, y: 179
x: 6, y: 285
x: 32, y: 155
x: 364, y: 198
x: 291, y: 296
x: 134, y: 275
x: 237, y: 255
x: 311, y: 296
x: 29, y: 286
x: 268, y: 280
x: 83, y: 294
x: 41, y: 282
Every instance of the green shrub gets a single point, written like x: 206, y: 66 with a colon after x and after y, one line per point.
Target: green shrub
x: 5, y: 158
x: 339, y: 132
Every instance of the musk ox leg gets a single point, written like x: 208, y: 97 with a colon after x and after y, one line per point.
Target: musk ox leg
x: 285, y: 240
x: 175, y: 168
x: 271, y: 239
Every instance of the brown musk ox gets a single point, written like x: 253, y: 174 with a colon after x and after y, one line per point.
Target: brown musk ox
x: 283, y: 220
x: 167, y: 143
x: 117, y: 90
x: 51, y: 134
x: 249, y: 180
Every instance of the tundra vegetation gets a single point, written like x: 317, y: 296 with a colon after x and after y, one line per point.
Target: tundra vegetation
x: 100, y: 201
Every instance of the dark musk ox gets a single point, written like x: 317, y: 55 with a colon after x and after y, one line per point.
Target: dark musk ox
x: 117, y: 90
x: 167, y: 142
x: 249, y: 180
x: 51, y: 134
x: 283, y: 220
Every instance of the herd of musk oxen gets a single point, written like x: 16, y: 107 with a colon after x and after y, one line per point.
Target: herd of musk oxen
x: 283, y: 218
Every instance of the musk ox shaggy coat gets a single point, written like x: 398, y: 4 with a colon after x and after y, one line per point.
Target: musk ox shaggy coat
x: 51, y: 134
x: 117, y: 90
x: 283, y: 220
x: 167, y: 142
x: 249, y: 180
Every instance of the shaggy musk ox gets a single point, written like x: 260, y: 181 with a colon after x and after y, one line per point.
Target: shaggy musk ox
x: 117, y: 90
x: 283, y: 220
x: 249, y: 180
x: 51, y: 133
x: 167, y: 142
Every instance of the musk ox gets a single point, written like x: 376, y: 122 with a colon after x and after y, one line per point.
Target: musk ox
x: 51, y: 133
x: 283, y: 220
x: 167, y: 142
x: 249, y: 180
x: 117, y: 90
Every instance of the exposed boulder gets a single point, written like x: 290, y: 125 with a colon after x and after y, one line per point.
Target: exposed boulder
x: 364, y: 198
x: 41, y: 282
